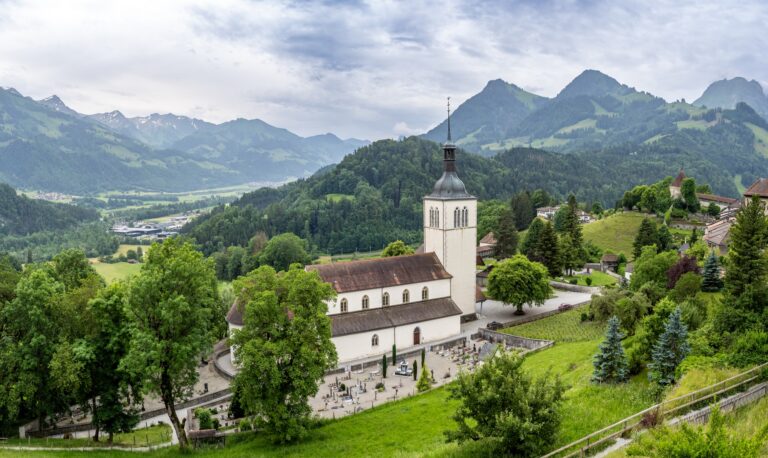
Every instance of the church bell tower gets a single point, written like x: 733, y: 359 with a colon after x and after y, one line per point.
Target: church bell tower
x: 450, y: 228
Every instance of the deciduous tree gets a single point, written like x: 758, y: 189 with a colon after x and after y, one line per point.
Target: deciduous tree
x: 284, y: 347
x: 283, y: 250
x: 396, y: 248
x: 518, y: 281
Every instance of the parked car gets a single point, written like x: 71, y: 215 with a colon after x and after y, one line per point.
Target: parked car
x: 495, y: 326
x: 564, y: 307
x: 403, y: 369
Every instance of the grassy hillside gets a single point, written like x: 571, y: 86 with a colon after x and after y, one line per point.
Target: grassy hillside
x: 116, y: 271
x: 615, y: 233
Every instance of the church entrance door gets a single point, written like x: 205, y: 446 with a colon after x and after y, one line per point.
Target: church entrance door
x: 416, y: 336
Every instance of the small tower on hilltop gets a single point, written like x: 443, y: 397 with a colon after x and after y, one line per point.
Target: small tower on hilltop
x: 450, y: 228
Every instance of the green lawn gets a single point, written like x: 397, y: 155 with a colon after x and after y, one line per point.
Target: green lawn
x: 616, y: 232
x: 562, y: 328
x: 116, y: 271
x: 153, y: 435
x: 598, y: 279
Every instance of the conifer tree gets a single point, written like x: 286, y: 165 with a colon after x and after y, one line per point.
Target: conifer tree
x: 670, y: 350
x: 747, y: 264
x: 694, y: 236
x: 384, y: 365
x: 664, y: 238
x: 547, y: 250
x: 530, y: 243
x: 646, y: 235
x: 425, y: 381
x: 711, y: 280
x: 506, y: 236
x: 611, y: 362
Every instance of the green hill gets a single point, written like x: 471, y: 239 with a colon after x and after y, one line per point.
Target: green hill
x: 20, y: 215
x: 615, y: 233
x: 727, y: 93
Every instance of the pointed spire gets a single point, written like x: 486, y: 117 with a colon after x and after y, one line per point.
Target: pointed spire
x: 449, y: 119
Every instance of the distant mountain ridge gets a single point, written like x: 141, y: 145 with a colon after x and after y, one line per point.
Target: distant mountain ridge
x: 727, y: 93
x: 46, y: 145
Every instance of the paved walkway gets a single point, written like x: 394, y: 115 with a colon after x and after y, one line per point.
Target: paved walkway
x: 496, y: 311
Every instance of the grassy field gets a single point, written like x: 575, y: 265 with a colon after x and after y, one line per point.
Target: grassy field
x: 598, y: 279
x: 153, y: 435
x: 116, y: 271
x: 616, y: 232
x: 562, y: 328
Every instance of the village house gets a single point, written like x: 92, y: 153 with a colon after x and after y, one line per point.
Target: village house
x: 725, y: 203
x: 760, y: 189
x: 486, y: 248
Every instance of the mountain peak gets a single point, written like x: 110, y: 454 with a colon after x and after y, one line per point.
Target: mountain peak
x: 727, y: 93
x: 56, y: 104
x: 593, y: 83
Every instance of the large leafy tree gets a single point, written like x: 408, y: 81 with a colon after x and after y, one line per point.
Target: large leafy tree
x: 502, y: 403
x: 506, y: 235
x: 518, y: 281
x: 396, y: 248
x: 611, y: 362
x: 169, y: 310
x: 117, y: 390
x: 652, y: 267
x: 283, y: 250
x: 688, y: 192
x: 284, y: 347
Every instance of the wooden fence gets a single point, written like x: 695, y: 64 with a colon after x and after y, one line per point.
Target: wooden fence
x: 678, y: 405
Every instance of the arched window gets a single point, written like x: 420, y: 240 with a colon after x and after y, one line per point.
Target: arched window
x: 344, y: 305
x: 375, y: 340
x: 385, y: 299
x: 406, y: 297
x: 437, y: 217
x: 416, y: 336
x: 465, y: 217
x: 366, y: 302
x: 424, y: 293
x: 456, y: 217
x: 431, y: 216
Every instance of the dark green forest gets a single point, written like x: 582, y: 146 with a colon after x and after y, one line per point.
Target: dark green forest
x: 374, y: 195
x: 20, y: 215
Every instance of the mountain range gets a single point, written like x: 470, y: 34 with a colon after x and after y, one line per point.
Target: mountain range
x: 46, y: 145
x: 728, y: 92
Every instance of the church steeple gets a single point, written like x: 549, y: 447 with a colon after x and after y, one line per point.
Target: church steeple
x: 449, y: 186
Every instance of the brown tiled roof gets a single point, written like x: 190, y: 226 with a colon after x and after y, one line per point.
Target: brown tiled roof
x: 489, y: 238
x: 717, y: 233
x: 678, y: 181
x: 380, y: 273
x: 715, y: 198
x: 485, y: 250
x: 397, y: 315
x: 609, y: 258
x: 479, y: 296
x: 758, y: 188
x: 485, y: 272
x: 235, y: 314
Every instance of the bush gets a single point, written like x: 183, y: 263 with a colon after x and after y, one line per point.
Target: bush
x: 603, y: 307
x: 584, y: 316
x: 588, y: 281
x: 342, y: 387
x: 573, y: 281
x: 245, y: 425
x: 749, y: 348
x: 204, y: 418
x: 380, y: 386
x: 216, y: 424
x: 425, y: 380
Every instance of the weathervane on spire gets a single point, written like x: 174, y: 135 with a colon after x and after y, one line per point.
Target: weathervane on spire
x: 449, y: 119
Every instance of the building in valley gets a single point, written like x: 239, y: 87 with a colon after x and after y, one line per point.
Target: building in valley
x: 725, y: 203
x: 413, y: 299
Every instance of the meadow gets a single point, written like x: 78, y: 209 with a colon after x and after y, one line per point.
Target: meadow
x: 615, y: 233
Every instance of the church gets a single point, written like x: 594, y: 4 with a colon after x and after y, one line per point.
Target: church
x: 413, y: 299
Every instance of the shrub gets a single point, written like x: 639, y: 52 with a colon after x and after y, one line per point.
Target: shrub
x: 573, y: 281
x: 631, y: 310
x: 604, y: 306
x: 245, y: 425
x: 216, y: 424
x: 425, y: 381
x: 588, y: 281
x: 380, y: 386
x: 204, y: 418
x: 686, y: 287
x: 584, y: 316
x: 749, y: 348
x: 342, y: 387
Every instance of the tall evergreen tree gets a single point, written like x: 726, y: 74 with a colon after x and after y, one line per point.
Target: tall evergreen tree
x: 646, y: 235
x: 610, y: 362
x: 670, y: 350
x: 522, y: 209
x: 664, y: 238
x: 711, y: 280
x: 688, y: 192
x: 572, y: 225
x: 531, y: 241
x: 694, y: 236
x: 506, y: 236
x: 547, y: 250
x: 747, y: 263
x: 569, y: 253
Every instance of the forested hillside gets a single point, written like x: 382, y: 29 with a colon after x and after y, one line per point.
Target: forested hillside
x: 20, y: 215
x: 374, y: 195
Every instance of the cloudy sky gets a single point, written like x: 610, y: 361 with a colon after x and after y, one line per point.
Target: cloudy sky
x: 359, y: 69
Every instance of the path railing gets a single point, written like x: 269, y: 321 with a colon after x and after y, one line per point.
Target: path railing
x: 651, y: 415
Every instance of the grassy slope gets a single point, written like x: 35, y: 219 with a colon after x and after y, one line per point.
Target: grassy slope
x: 116, y: 271
x: 615, y: 233
x: 598, y: 279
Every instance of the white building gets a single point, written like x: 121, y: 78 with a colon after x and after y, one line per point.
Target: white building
x: 407, y: 300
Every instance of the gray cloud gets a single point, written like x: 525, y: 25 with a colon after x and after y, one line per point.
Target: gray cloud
x: 363, y: 69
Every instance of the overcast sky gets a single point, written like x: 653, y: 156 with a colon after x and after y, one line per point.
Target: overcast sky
x: 366, y: 70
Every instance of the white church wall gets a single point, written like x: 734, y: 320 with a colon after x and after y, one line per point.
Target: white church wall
x: 358, y: 346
